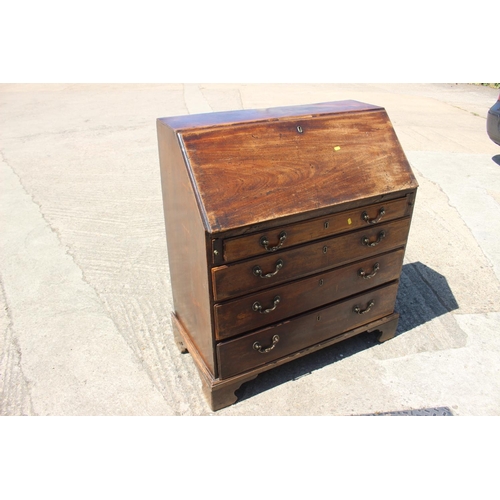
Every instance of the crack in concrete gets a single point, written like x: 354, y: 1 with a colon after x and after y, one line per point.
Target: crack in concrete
x: 455, y: 208
x: 240, y: 99
x: 194, y: 100
x: 11, y: 345
x: 437, y: 186
x: 67, y: 248
x: 84, y: 278
x: 467, y: 111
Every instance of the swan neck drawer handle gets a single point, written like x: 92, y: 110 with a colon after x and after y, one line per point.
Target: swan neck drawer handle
x: 366, y: 276
x: 366, y: 241
x: 257, y: 307
x: 367, y: 219
x: 257, y: 271
x: 265, y: 242
x: 358, y: 310
x: 258, y: 346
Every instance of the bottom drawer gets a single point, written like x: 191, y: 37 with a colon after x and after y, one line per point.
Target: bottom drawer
x: 258, y: 348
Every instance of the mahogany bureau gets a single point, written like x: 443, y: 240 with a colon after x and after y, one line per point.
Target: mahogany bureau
x: 286, y: 230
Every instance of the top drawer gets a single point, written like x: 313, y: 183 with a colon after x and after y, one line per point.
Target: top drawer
x: 294, y: 234
x: 241, y: 278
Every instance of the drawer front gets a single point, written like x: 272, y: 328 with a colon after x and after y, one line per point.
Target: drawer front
x: 275, y: 304
x: 287, y: 236
x: 256, y: 274
x: 256, y: 349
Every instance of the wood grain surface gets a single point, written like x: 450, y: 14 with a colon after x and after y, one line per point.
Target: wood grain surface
x: 251, y: 172
x: 237, y: 316
x: 250, y: 245
x: 187, y: 252
x: 239, y: 355
x: 239, y: 279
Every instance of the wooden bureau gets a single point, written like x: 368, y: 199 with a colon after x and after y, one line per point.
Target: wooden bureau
x: 286, y: 231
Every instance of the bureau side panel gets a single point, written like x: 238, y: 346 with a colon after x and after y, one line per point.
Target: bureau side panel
x: 186, y: 242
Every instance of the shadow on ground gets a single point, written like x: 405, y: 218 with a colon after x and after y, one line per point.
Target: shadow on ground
x: 423, y: 295
x: 439, y: 411
x: 496, y: 159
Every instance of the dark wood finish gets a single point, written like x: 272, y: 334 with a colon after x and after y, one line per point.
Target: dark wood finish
x: 238, y: 117
x: 178, y: 338
x: 278, y: 166
x: 186, y: 241
x: 388, y: 331
x: 249, y: 246
x: 221, y: 395
x: 221, y: 392
x: 206, y: 373
x: 238, y: 316
x: 269, y: 167
x: 238, y: 355
x: 267, y: 225
x: 237, y: 279
x: 229, y: 179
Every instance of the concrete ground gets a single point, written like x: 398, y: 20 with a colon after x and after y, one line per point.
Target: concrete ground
x: 84, y: 327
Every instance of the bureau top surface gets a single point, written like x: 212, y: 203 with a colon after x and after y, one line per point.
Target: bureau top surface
x: 250, y: 166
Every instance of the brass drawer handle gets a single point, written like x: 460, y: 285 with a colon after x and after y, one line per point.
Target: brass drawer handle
x: 366, y: 241
x: 258, y: 271
x: 367, y: 219
x: 365, y: 276
x: 264, y: 242
x: 258, y: 346
x: 358, y: 310
x: 257, y: 307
